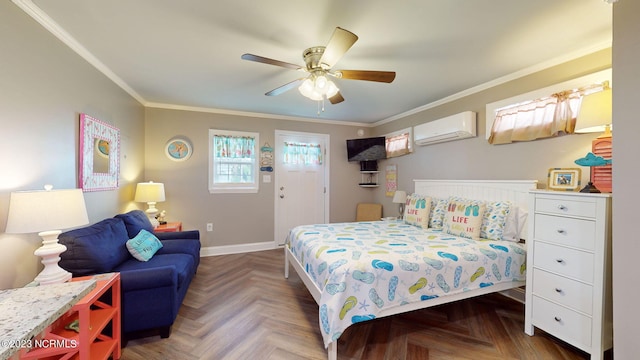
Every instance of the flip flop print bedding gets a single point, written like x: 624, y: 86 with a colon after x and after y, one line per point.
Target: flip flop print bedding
x: 366, y: 267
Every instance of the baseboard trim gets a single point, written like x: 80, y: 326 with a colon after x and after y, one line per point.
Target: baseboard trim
x: 236, y: 249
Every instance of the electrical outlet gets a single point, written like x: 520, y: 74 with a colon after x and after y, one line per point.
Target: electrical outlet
x: 209, y: 227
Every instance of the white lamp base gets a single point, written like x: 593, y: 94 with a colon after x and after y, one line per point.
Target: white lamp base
x: 50, y: 253
x: 151, y: 213
x: 401, y: 211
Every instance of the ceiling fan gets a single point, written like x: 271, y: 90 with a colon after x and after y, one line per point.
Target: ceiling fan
x: 319, y: 61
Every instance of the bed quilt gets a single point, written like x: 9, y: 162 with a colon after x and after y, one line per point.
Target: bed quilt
x: 366, y: 267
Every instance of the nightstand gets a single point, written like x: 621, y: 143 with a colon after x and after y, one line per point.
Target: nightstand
x: 169, y: 227
x: 568, y: 291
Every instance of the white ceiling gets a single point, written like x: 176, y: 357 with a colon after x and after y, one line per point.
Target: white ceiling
x: 186, y: 53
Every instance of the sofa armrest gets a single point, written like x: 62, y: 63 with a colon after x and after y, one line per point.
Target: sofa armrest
x: 140, y: 279
x: 189, y: 234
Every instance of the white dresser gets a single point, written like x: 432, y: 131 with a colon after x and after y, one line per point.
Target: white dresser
x: 568, y: 291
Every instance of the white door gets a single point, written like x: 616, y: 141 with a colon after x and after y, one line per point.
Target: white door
x: 302, y: 182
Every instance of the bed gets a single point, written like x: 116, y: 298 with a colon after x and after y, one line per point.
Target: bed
x: 366, y: 270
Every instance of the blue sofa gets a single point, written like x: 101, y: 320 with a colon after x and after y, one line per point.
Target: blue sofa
x: 151, y: 291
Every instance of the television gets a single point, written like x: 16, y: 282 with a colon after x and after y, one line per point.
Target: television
x: 366, y: 149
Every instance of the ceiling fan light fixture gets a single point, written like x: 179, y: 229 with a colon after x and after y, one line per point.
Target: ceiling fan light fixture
x: 318, y: 88
x: 332, y: 89
x: 321, y: 82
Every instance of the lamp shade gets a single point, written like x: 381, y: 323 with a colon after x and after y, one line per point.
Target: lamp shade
x: 44, y: 210
x: 149, y: 192
x: 595, y: 112
x: 399, y: 197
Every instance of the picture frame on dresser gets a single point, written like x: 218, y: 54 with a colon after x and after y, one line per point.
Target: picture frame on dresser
x: 564, y: 179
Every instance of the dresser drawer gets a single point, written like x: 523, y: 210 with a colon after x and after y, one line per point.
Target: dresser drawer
x: 571, y: 293
x: 559, y: 321
x: 566, y: 206
x: 567, y: 262
x: 567, y: 231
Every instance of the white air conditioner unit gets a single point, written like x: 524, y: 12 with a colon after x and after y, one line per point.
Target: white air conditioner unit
x: 454, y: 127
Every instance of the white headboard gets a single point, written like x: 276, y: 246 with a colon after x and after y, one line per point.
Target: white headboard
x: 516, y: 191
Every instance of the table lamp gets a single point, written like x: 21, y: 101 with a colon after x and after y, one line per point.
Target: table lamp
x: 400, y: 197
x: 595, y: 115
x: 151, y: 193
x: 42, y: 211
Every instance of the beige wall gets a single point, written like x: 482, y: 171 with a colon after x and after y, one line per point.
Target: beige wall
x: 626, y: 173
x: 475, y: 158
x: 237, y: 218
x: 44, y: 86
x: 188, y: 199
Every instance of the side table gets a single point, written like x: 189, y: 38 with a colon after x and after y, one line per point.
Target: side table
x: 169, y: 227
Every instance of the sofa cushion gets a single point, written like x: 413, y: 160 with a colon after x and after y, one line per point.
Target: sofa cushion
x: 183, y: 264
x: 94, y: 249
x: 135, y: 221
x: 186, y: 246
x: 143, y: 245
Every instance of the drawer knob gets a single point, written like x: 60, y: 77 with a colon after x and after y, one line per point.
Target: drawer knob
x: 561, y: 231
x: 557, y: 319
x: 562, y: 207
x: 558, y: 290
x: 559, y: 261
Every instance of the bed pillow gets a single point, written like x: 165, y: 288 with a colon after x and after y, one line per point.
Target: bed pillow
x: 515, y: 224
x: 416, y: 210
x: 438, y: 211
x: 144, y: 245
x: 464, y: 218
x: 494, y: 219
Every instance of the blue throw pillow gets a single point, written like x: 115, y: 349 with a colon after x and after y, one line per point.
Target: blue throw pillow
x: 144, y: 245
x: 135, y: 220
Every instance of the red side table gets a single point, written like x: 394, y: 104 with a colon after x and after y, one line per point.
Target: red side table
x: 169, y: 227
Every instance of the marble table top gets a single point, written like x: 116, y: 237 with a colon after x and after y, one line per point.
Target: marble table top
x: 27, y: 311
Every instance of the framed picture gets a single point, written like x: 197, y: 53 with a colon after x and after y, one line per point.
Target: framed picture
x: 178, y: 149
x: 564, y: 179
x: 99, y: 155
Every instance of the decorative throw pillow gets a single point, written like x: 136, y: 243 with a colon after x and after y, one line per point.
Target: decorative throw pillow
x: 495, y: 219
x: 515, y: 224
x: 416, y: 210
x: 438, y: 211
x: 144, y: 245
x: 464, y: 218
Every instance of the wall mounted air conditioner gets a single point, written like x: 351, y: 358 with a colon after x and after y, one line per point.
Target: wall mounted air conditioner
x: 454, y: 127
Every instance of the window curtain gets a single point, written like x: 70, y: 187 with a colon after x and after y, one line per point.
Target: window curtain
x: 302, y: 154
x: 550, y: 116
x: 397, y: 145
x: 233, y: 147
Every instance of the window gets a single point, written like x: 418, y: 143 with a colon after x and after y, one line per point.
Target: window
x: 297, y: 153
x: 399, y: 143
x: 233, y: 161
x: 553, y: 112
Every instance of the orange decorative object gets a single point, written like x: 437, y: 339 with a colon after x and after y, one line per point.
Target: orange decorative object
x: 169, y: 227
x: 601, y: 175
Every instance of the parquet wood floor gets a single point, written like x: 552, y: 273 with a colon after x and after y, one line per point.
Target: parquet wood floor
x: 241, y: 307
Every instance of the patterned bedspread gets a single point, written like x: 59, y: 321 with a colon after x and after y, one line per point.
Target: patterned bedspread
x: 363, y: 268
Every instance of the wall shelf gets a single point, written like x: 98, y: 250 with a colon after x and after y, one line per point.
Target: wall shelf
x: 369, y: 179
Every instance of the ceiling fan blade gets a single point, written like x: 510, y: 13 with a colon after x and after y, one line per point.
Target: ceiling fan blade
x: 264, y: 60
x: 286, y: 87
x: 336, y: 99
x: 340, y: 42
x: 379, y: 76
